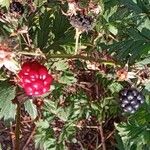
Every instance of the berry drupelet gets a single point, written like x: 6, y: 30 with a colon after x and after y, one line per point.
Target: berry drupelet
x: 16, y: 7
x: 131, y: 99
x: 34, y: 78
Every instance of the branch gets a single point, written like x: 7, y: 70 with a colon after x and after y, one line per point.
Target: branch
x: 102, y: 137
x: 70, y: 56
x: 17, y: 130
x: 29, y: 139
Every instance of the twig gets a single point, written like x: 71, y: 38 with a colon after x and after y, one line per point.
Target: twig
x: 17, y: 130
x: 30, y: 53
x: 98, y: 36
x: 29, y: 139
x: 110, y: 135
x: 89, y: 127
x: 28, y: 39
x: 106, y: 139
x: 102, y: 137
x: 77, y: 36
x: 12, y: 136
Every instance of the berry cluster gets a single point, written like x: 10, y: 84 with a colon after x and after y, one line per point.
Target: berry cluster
x: 82, y: 22
x: 34, y: 78
x: 16, y: 7
x: 131, y: 99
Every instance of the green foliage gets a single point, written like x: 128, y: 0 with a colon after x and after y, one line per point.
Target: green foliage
x: 7, y: 94
x: 134, y: 134
x: 45, y: 136
x: 31, y: 109
x: 121, y: 29
x: 4, y: 3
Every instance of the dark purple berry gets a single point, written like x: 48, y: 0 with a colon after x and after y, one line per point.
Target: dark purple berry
x: 124, y: 92
x: 130, y: 96
x: 131, y: 99
x: 16, y: 7
x: 134, y: 92
x: 140, y: 97
x: 134, y: 102
x: 136, y: 106
x: 82, y: 22
x: 128, y: 108
x: 125, y: 101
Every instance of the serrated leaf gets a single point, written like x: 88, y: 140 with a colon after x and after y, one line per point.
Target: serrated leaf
x: 31, y: 109
x: 112, y: 29
x: 63, y: 114
x: 115, y: 87
x: 44, y: 29
x: 147, y: 86
x: 39, y: 2
x: 120, y: 144
x: 67, y: 78
x: 43, y: 124
x: 146, y: 61
x: 5, y: 3
x: 7, y: 94
x: 61, y: 65
x: 8, y: 111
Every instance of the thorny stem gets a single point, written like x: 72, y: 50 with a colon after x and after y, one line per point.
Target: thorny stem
x: 71, y: 56
x: 17, y: 130
x: 77, y: 36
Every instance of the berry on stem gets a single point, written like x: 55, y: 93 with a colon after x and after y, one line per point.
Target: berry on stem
x: 16, y: 7
x: 131, y: 99
x: 82, y: 22
x: 34, y: 78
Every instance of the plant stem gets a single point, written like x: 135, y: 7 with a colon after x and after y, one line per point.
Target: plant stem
x: 77, y: 36
x: 17, y: 130
x: 70, y: 56
x: 102, y: 137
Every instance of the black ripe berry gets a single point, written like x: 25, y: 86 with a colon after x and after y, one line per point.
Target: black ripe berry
x: 131, y: 99
x: 82, y: 22
x: 16, y: 7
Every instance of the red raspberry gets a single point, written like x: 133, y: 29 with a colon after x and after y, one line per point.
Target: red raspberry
x: 34, y: 78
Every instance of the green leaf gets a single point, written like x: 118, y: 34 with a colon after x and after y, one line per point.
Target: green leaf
x: 43, y: 124
x: 31, y: 109
x: 120, y: 145
x: 5, y: 3
x: 39, y: 2
x: 67, y: 78
x: 7, y: 94
x: 44, y: 29
x: 112, y: 29
x: 115, y: 87
x: 147, y: 86
x: 61, y: 65
x: 146, y: 61
x: 63, y: 114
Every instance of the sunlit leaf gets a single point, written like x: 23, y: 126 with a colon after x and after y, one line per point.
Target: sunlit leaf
x: 7, y: 94
x: 31, y: 109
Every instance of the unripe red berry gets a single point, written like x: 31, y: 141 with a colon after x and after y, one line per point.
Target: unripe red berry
x: 34, y: 78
